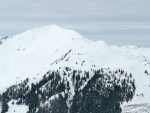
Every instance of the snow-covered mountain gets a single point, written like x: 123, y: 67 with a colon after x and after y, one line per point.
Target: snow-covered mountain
x: 54, y: 69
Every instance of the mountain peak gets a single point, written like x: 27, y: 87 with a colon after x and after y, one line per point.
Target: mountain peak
x: 52, y: 31
x: 51, y: 36
x: 51, y: 59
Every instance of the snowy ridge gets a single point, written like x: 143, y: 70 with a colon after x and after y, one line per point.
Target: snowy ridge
x: 35, y: 52
x: 130, y: 46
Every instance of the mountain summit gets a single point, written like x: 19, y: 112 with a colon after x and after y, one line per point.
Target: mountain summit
x: 51, y: 69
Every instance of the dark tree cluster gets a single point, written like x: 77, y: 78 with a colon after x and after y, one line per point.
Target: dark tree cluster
x: 100, y: 92
x: 103, y: 93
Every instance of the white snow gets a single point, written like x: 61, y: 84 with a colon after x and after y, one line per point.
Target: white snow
x: 34, y: 52
x: 14, y: 108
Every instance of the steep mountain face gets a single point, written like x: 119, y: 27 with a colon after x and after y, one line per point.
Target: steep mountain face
x: 54, y: 70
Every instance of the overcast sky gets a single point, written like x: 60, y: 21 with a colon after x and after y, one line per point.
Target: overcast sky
x: 114, y: 21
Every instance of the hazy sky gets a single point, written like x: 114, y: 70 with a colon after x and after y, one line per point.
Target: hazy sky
x: 114, y: 21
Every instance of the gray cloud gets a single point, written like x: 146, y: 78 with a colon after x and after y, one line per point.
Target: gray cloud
x: 96, y: 19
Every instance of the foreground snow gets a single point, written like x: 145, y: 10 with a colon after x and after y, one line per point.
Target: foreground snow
x: 13, y: 108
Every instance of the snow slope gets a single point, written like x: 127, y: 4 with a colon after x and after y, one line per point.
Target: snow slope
x: 13, y: 108
x: 32, y: 53
x: 28, y: 54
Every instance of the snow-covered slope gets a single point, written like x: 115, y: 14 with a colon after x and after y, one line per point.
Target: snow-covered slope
x: 32, y: 53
